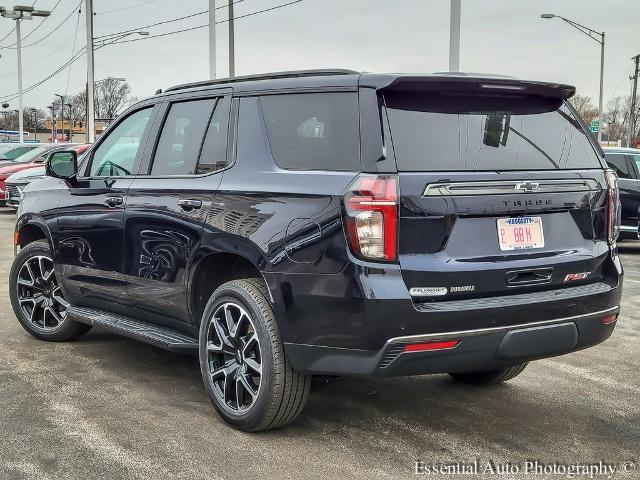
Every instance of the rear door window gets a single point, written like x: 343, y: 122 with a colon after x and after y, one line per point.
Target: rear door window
x: 485, y: 135
x: 181, y: 137
x: 313, y: 131
x: 636, y: 159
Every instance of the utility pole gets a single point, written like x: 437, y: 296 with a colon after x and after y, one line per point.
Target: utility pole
x: 232, y: 53
x: 61, y: 97
x: 90, y: 125
x: 454, y: 36
x: 212, y: 39
x: 18, y: 14
x: 632, y: 114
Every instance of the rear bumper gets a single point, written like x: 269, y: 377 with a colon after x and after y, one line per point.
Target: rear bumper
x: 483, y: 349
x: 357, y: 323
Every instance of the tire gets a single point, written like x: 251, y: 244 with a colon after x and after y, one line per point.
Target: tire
x: 492, y: 377
x: 226, y: 360
x: 44, y: 316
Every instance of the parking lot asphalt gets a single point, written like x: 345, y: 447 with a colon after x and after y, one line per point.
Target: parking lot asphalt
x: 106, y: 407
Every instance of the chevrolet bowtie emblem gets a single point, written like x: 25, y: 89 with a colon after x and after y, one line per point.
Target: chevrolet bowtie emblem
x: 527, y: 186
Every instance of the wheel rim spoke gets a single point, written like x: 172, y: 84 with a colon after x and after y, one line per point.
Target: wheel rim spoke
x: 233, y: 350
x: 39, y: 295
x: 253, y: 365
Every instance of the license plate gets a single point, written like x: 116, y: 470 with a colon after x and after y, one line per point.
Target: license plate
x: 520, y: 233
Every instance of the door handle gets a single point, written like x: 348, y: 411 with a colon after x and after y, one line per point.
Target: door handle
x: 113, y: 201
x: 189, y: 204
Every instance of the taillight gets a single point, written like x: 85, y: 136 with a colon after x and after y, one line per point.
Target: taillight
x: 371, y: 206
x: 613, y: 207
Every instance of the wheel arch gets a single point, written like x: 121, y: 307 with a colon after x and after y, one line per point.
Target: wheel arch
x: 31, y: 228
x: 214, y: 266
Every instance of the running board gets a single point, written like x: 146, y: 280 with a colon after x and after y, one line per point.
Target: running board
x: 136, y: 329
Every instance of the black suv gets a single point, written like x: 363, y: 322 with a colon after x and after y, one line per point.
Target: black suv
x: 333, y: 223
x: 626, y: 163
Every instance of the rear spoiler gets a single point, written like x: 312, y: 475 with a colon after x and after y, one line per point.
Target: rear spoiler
x: 467, y: 84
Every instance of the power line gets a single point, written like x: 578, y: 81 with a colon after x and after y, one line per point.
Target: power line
x: 125, y: 8
x: 75, y: 58
x: 203, y: 26
x: 163, y: 22
x: 82, y: 51
x: 14, y: 28
x: 73, y: 49
x: 61, y: 45
x: 12, y: 46
x: 44, y: 19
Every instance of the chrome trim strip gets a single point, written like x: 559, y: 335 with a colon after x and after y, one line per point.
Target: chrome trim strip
x: 509, y: 187
x: 482, y: 331
x: 628, y: 228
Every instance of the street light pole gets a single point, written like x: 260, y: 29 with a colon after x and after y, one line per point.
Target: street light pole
x: 61, y: 97
x: 69, y: 106
x: 212, y: 39
x: 34, y: 119
x: 19, y: 13
x: 592, y: 34
x: 454, y: 36
x: 20, y: 107
x: 232, y: 47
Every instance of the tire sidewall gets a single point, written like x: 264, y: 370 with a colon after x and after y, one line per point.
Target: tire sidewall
x: 236, y: 294
x: 31, y: 250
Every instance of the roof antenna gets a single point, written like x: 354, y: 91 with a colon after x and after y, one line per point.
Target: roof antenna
x: 158, y: 91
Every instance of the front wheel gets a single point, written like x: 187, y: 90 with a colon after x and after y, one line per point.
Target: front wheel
x: 36, y: 296
x: 491, y: 377
x: 245, y: 370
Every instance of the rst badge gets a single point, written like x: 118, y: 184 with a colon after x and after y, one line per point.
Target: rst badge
x: 572, y: 277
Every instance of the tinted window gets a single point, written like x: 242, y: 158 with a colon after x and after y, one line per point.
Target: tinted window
x: 636, y: 158
x: 181, y: 138
x: 116, y: 155
x: 31, y: 154
x: 213, y: 155
x: 618, y: 163
x: 16, y: 152
x: 524, y: 136
x: 314, y: 131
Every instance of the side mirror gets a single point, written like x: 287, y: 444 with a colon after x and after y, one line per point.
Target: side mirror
x: 63, y: 164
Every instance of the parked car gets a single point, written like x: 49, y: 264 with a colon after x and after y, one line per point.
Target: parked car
x: 30, y: 159
x: 11, y: 151
x: 626, y: 163
x: 332, y: 223
x: 16, y: 182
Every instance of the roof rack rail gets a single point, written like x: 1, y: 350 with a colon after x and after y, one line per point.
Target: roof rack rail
x: 265, y: 76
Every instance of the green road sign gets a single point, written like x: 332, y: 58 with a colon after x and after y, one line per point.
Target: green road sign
x: 595, y: 126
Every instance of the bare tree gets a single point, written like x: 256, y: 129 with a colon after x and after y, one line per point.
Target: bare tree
x: 112, y: 95
x: 585, y: 107
x: 616, y: 117
x: 34, y: 118
x: 78, y: 109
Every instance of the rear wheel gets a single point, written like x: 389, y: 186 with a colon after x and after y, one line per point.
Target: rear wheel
x: 491, y: 377
x: 36, y: 297
x: 245, y: 370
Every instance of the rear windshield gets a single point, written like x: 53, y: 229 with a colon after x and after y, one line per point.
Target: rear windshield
x: 479, y: 133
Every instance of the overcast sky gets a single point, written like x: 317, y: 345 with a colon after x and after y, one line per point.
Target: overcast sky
x: 498, y: 36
